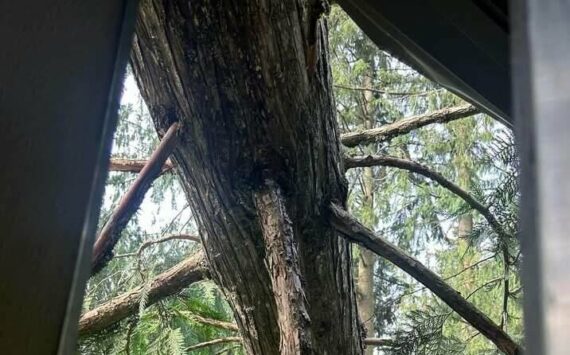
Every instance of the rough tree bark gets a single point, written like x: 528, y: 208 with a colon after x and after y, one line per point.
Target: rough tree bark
x: 249, y: 83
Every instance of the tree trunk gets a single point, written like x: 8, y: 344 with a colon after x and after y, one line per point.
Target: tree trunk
x: 250, y: 84
x: 367, y: 259
x: 365, y: 292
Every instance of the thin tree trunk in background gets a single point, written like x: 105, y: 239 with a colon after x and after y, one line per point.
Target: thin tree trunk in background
x: 249, y: 82
x: 367, y: 259
x: 465, y: 221
x: 464, y: 228
x: 365, y: 291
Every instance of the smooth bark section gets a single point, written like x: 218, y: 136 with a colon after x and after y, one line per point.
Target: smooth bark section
x: 405, y: 125
x: 131, y: 201
x: 175, y: 279
x: 135, y: 165
x: 382, y: 160
x: 283, y: 262
x: 356, y: 232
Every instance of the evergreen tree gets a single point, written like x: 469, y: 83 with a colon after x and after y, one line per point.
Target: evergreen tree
x: 372, y: 89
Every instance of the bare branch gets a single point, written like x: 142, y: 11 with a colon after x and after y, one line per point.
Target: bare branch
x: 380, y: 91
x: 356, y: 232
x: 215, y: 323
x: 166, y: 239
x: 213, y: 342
x: 405, y: 125
x: 182, y: 275
x: 131, y: 201
x: 157, y: 241
x: 135, y: 165
x: 474, y: 265
x: 375, y: 160
x: 379, y: 342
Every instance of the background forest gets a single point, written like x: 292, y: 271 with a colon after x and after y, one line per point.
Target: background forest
x: 479, y: 257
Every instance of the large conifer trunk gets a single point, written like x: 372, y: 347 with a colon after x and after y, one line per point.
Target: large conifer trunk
x: 259, y: 142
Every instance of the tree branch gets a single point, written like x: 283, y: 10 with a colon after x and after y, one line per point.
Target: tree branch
x: 379, y: 342
x: 148, y: 243
x: 167, y: 238
x: 379, y: 91
x: 215, y: 323
x: 214, y: 342
x: 180, y: 276
x: 375, y: 160
x: 135, y: 165
x: 131, y: 201
x: 405, y: 125
x: 356, y: 232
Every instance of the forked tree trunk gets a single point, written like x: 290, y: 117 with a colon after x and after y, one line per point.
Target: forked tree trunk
x: 250, y: 84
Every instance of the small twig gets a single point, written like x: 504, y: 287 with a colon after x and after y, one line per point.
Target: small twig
x: 213, y: 342
x: 211, y: 322
x: 417, y: 168
x: 446, y: 278
x: 165, y: 239
x: 380, y: 91
x: 129, y: 334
